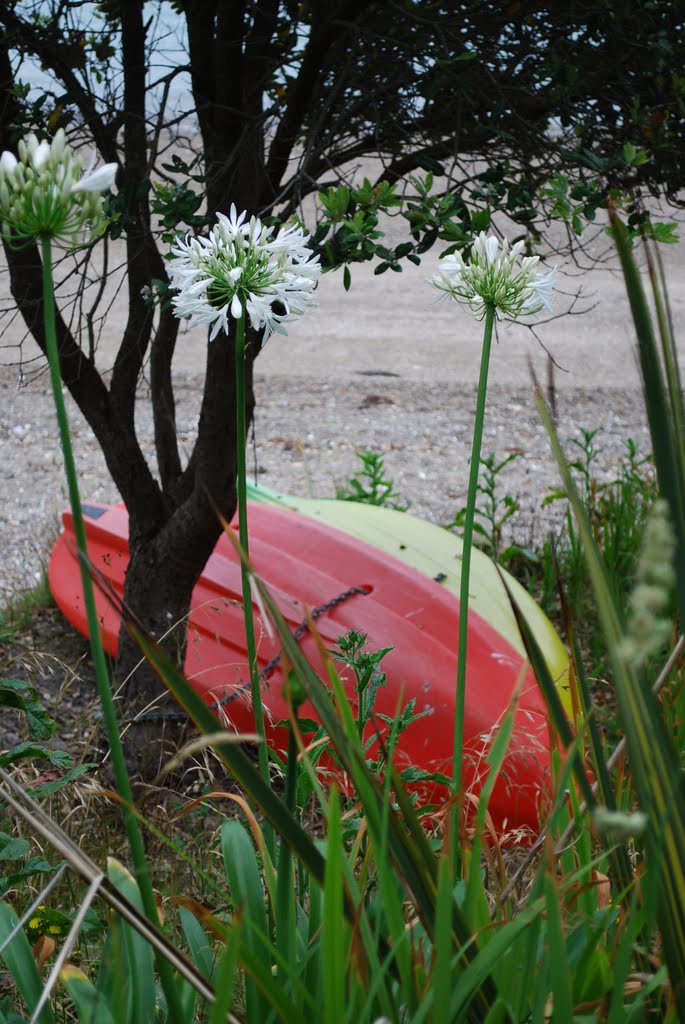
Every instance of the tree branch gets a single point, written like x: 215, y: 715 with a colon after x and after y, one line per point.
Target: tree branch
x: 139, y: 242
x: 163, y: 402
x: 200, y: 23
x: 53, y: 53
x: 301, y: 93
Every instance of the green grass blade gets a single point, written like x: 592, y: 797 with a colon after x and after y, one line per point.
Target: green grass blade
x: 286, y: 898
x: 406, y: 840
x: 663, y: 415
x: 273, y: 990
x: 441, y: 975
x: 89, y: 1002
x: 483, y: 966
x: 336, y: 939
x: 476, y: 910
x: 202, y: 956
x: 247, y: 894
x: 560, y: 974
x: 618, y: 855
x: 140, y: 967
x: 313, y: 975
x: 226, y: 977
x: 550, y: 693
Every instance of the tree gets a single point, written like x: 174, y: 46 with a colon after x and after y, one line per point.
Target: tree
x: 527, y: 108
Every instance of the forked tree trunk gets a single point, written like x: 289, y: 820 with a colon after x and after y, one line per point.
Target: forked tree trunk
x: 166, y: 562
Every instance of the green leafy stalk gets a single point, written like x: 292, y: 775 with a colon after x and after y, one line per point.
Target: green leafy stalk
x: 656, y: 771
x: 466, y: 563
x: 99, y: 661
x: 241, y: 441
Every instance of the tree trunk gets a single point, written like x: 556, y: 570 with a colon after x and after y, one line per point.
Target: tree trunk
x: 166, y: 562
x: 159, y: 583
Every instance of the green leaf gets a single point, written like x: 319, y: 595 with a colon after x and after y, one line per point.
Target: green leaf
x: 347, y: 278
x: 138, y: 954
x: 48, y: 788
x: 247, y: 894
x: 198, y: 943
x: 335, y: 931
x: 89, y: 1002
x: 225, y: 980
x: 30, y: 750
x: 16, y: 693
x: 12, y: 848
x: 558, y: 964
x: 665, y: 232
x: 428, y: 163
x: 202, y: 955
x: 35, y: 866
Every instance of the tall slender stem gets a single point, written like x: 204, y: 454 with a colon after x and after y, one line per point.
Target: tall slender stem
x: 241, y: 441
x: 466, y: 556
x: 99, y: 660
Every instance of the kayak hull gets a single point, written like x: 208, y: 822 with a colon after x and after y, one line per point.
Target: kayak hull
x: 437, y: 553
x: 309, y: 565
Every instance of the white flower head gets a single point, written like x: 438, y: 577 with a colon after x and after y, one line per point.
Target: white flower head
x: 495, y: 276
x: 44, y: 195
x: 240, y: 269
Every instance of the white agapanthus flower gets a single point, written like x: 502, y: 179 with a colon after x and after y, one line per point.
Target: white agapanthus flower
x: 495, y: 276
x: 43, y: 194
x: 241, y: 269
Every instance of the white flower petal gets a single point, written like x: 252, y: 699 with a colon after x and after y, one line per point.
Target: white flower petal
x: 40, y: 156
x: 8, y: 163
x: 491, y: 247
x: 236, y: 307
x: 97, y: 181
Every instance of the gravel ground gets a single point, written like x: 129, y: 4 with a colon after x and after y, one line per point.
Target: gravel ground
x: 307, y: 431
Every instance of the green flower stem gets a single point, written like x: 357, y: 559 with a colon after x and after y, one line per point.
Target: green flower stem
x: 466, y: 551
x: 241, y: 441
x: 99, y: 661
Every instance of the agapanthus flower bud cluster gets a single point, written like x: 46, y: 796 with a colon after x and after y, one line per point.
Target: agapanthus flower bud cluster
x: 43, y: 194
x: 649, y: 625
x: 241, y: 269
x: 495, y: 277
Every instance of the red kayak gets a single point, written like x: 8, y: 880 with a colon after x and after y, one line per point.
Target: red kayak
x: 310, y: 566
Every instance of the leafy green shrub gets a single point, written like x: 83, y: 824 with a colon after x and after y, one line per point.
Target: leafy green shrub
x: 370, y: 486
